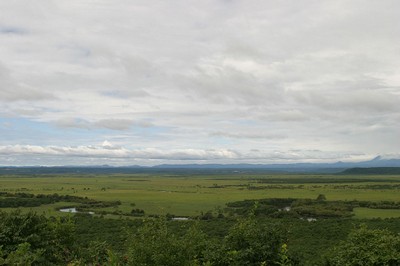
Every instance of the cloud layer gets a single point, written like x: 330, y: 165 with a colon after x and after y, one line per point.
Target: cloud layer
x: 107, y: 152
x: 198, y: 80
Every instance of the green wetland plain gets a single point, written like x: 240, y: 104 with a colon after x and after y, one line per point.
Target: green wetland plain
x: 313, y: 214
x: 186, y: 195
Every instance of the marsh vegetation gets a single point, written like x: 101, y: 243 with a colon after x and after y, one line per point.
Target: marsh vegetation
x: 225, y: 219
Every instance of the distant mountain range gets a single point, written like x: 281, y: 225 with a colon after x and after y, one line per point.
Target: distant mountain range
x: 376, y: 162
x: 207, y: 168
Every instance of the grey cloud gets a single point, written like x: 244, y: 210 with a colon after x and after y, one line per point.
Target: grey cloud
x: 286, y: 116
x: 121, y: 124
x: 72, y: 123
x: 247, y: 135
x: 18, y: 93
x: 124, y: 93
x: 113, y: 124
x: 12, y: 30
x: 11, y: 90
x: 231, y: 83
x: 28, y: 112
x: 350, y: 99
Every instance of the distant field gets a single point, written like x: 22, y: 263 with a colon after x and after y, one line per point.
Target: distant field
x: 191, y: 194
x: 366, y: 213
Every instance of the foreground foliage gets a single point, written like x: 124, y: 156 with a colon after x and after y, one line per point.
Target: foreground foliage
x: 32, y: 239
x: 247, y: 243
x: 367, y: 247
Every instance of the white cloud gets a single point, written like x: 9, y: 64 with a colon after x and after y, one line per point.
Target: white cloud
x: 109, y: 152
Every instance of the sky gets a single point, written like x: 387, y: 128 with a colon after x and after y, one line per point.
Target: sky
x: 118, y: 82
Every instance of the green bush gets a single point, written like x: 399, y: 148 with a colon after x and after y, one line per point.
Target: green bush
x: 35, y: 239
x: 367, y: 247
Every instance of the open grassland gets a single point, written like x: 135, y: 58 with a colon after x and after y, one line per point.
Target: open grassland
x: 187, y: 195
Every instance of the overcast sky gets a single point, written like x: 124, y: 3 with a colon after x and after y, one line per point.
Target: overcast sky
x: 86, y: 82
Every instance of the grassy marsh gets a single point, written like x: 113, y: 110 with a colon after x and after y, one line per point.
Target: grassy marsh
x: 188, y: 195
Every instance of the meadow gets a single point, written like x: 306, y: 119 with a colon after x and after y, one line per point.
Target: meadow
x: 191, y: 195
